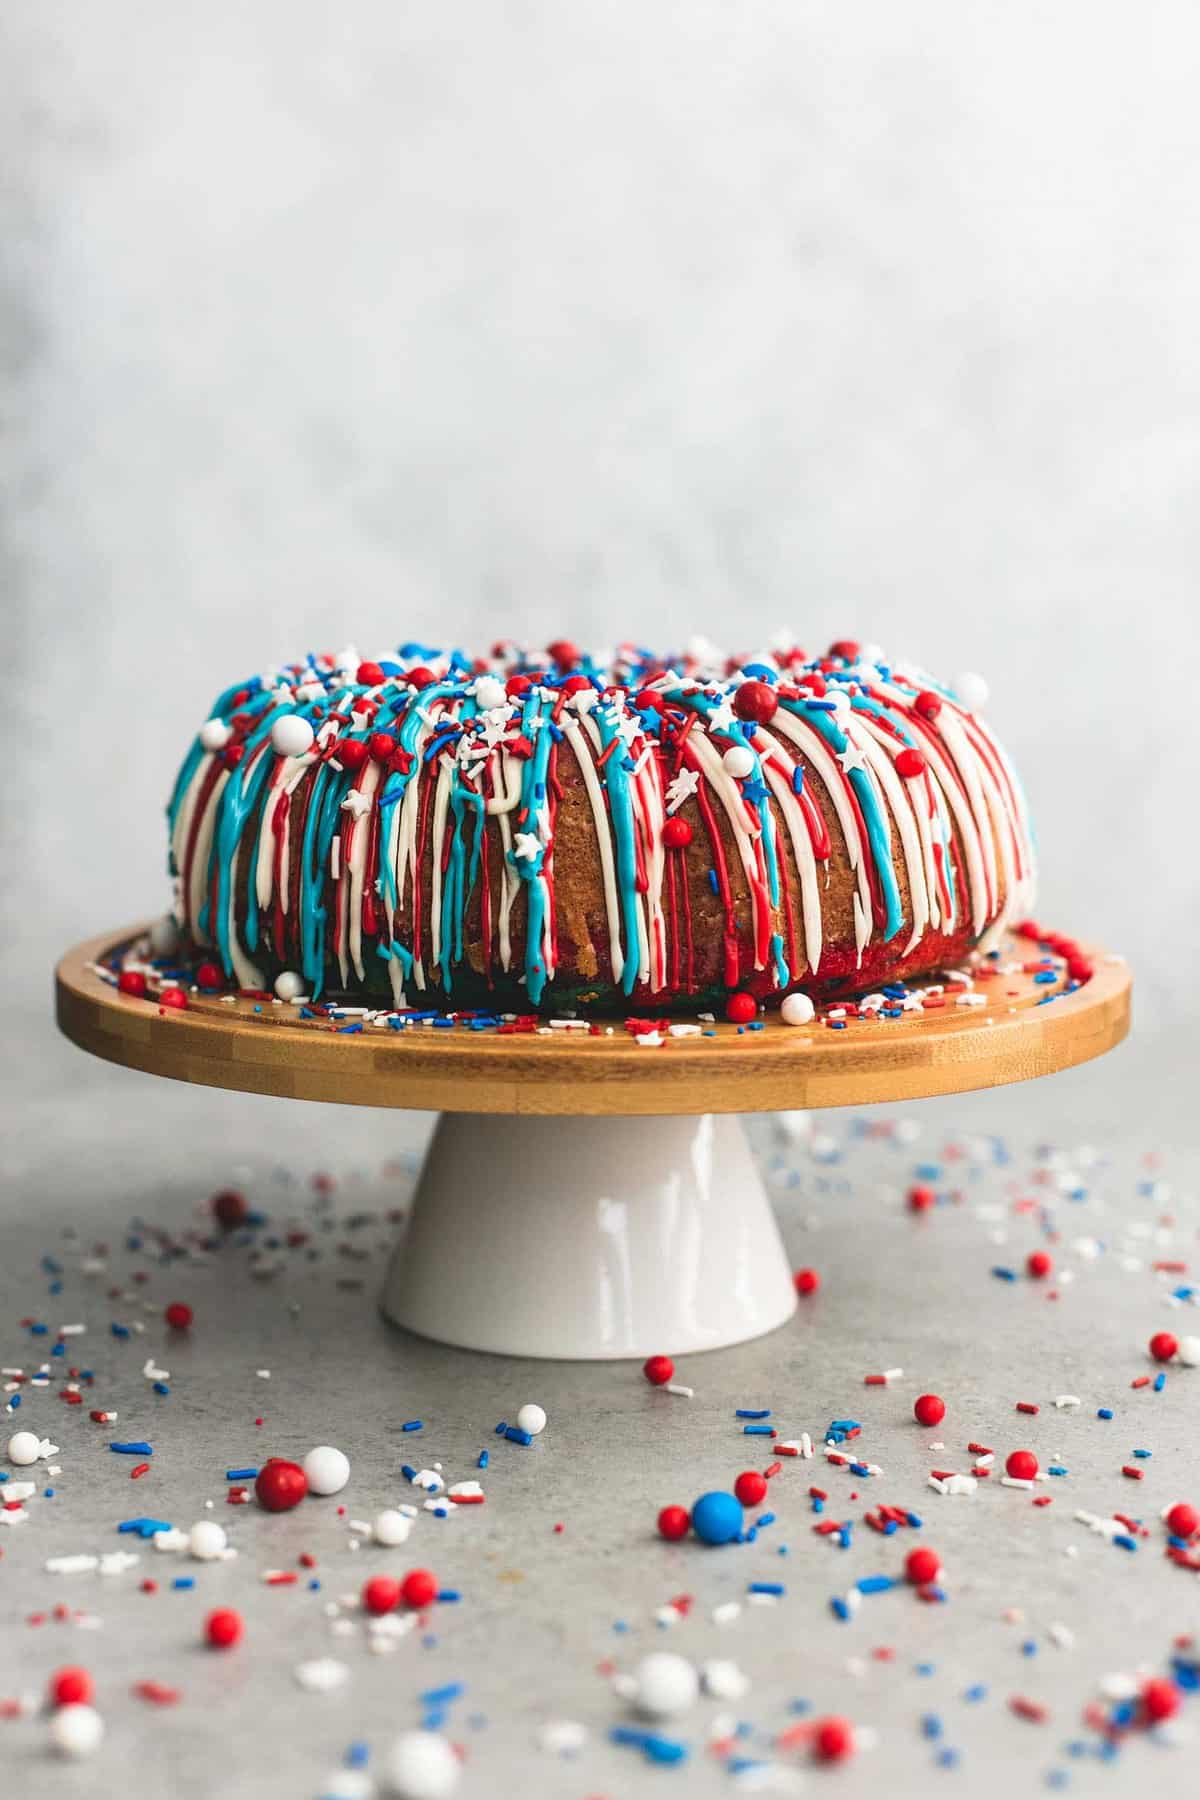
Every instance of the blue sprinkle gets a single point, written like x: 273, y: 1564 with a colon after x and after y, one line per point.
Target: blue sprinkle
x: 515, y: 1435
x: 758, y: 1431
x: 408, y: 1472
x: 441, y: 1696
x: 858, y: 1468
x: 1057, y: 1469
x: 483, y: 1460
x: 1105, y: 1412
x: 501, y: 1428
x: 765, y: 1519
x: 840, y: 1607
x: 144, y: 1528
x: 240, y: 1474
x: 947, y: 1758
x: 1126, y: 1543
x: 931, y: 1726
x: 160, y: 1387
x: 713, y: 883
x: 1143, y: 1454
x: 766, y: 1587
x: 1005, y: 1274
x: 413, y: 1425
x: 976, y: 1693
x: 118, y: 1331
x: 449, y: 1597
x: 47, y: 1493
x: 1160, y: 1382
x: 745, y: 1412
x: 875, y: 1584
x: 184, y: 1581
x: 134, y: 1449
x: 1029, y: 1647
x: 915, y: 1521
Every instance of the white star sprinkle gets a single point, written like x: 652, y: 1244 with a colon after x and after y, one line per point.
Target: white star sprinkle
x: 682, y: 787
x: 527, y: 845
x: 357, y: 803
x: 852, y: 758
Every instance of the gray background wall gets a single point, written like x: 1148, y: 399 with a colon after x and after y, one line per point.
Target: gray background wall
x: 451, y: 321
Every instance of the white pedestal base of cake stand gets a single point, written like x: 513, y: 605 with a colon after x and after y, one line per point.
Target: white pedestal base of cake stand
x: 589, y: 1238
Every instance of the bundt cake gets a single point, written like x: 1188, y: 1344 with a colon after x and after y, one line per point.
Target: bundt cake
x: 551, y: 832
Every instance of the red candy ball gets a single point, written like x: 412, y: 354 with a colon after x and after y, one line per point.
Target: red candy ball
x: 223, y: 1628
x: 755, y: 702
x: 741, y: 1008
x: 369, y: 674
x: 173, y: 997
x: 71, y: 1687
x: 833, y: 1740
x: 132, y: 981
x: 1160, y: 1698
x: 564, y: 652
x: 178, y: 1315
x: 910, y: 764
x: 209, y: 976
x: 922, y: 1566
x: 674, y: 1522
x: 929, y: 1409
x: 280, y: 1485
x: 381, y: 1594
x: 517, y: 685
x: 807, y: 1281
x: 1163, y: 1346
x: 846, y: 648
x: 920, y: 1199
x: 380, y: 744
x: 676, y: 833
x: 1022, y: 1465
x: 229, y: 1208
x: 420, y: 677
x: 750, y: 1487
x: 1183, y: 1521
x: 352, y: 753
x: 419, y: 1588
x: 928, y: 704
x: 658, y: 1370
x: 1039, y: 1264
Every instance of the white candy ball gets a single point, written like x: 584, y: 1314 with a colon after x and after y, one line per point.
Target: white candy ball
x: 76, y: 1730
x: 972, y: 690
x: 421, y: 1765
x: 206, y: 1540
x: 291, y: 735
x: 531, y: 1418
x: 797, y: 1009
x: 724, y: 1680
x: 666, y: 1684
x: 738, y: 761
x: 164, y: 936
x: 327, y: 1469
x: 392, y: 1528
x: 1189, y: 1351
x: 289, y: 985
x: 215, y: 734
x: 489, y: 693
x: 24, y: 1447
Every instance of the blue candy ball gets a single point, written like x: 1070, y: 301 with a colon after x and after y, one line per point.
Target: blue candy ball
x: 717, y: 1518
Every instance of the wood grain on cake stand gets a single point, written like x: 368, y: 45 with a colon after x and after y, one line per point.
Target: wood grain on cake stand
x: 607, y: 1206
x: 222, y: 1044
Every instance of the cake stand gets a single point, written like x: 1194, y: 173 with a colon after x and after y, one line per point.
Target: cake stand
x: 592, y: 1196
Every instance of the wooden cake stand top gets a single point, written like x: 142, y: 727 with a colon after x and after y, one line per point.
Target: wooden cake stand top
x: 266, y: 1048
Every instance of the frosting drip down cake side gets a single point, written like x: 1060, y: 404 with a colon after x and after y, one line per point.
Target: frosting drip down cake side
x: 542, y: 830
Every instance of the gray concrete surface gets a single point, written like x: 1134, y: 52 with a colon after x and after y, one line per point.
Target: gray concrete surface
x: 90, y: 1150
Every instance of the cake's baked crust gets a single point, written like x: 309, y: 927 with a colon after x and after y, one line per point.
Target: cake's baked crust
x: 847, y: 824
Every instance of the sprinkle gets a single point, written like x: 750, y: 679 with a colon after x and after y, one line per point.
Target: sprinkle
x: 137, y: 1448
x: 413, y: 1425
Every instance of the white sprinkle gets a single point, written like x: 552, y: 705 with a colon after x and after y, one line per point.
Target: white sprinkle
x: 677, y: 1387
x: 321, y: 1676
